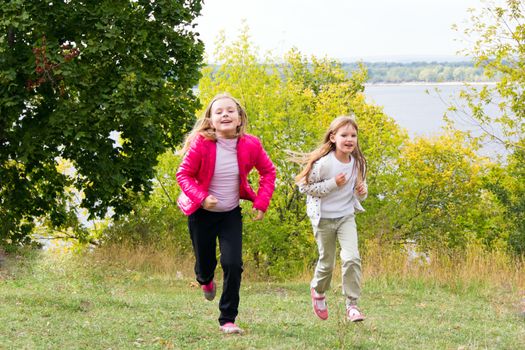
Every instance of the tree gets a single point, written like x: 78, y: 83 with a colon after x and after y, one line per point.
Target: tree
x: 72, y: 75
x: 290, y: 102
x: 440, y: 200
x: 508, y: 185
x: 427, y: 189
x: 498, y: 33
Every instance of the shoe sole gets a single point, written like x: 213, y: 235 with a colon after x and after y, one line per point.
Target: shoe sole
x: 230, y: 331
x: 211, y: 295
x: 360, y: 319
x: 319, y: 316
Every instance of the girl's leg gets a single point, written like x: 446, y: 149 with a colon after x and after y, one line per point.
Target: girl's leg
x: 203, y: 232
x: 230, y: 244
x: 325, y: 236
x: 350, y: 259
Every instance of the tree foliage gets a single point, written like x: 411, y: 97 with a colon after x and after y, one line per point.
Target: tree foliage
x: 439, y: 198
x: 397, y: 72
x: 290, y: 102
x: 498, y: 35
x: 507, y: 183
x: 434, y: 190
x: 74, y: 74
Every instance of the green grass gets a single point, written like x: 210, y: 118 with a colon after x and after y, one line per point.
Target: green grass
x: 62, y: 303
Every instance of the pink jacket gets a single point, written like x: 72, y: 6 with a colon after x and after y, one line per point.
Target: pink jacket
x: 196, y: 171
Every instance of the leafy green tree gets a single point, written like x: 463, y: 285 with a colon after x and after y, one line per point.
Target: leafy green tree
x: 155, y: 222
x: 440, y: 199
x: 290, y: 102
x: 72, y: 75
x: 429, y: 189
x: 498, y: 33
x: 507, y: 182
x: 420, y: 71
x: 498, y: 30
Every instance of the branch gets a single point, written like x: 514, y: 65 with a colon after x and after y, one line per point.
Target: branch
x: 11, y: 37
x: 66, y: 235
x: 164, y: 189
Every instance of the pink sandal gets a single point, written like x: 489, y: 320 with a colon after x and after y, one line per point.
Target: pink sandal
x: 230, y: 328
x: 353, y: 314
x: 319, y: 304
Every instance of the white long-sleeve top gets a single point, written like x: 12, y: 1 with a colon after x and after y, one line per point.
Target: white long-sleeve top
x: 324, y: 198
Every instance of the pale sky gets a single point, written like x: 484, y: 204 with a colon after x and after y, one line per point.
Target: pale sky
x: 340, y: 29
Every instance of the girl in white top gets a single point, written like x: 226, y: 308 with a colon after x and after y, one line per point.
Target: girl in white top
x: 334, y: 180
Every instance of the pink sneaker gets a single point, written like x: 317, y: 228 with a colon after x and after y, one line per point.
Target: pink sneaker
x: 353, y: 314
x: 319, y: 304
x: 230, y: 328
x: 209, y: 290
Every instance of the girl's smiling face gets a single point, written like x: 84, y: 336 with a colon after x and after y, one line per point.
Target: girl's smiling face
x: 345, y: 140
x: 225, y: 118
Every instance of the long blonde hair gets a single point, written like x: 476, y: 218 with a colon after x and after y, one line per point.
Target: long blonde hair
x: 203, y: 125
x: 327, y: 146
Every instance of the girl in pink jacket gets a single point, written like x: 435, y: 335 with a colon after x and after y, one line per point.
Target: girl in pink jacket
x: 213, y: 176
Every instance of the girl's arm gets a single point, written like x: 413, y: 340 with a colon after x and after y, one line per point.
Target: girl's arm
x: 318, y: 189
x: 361, y: 191
x: 361, y: 188
x: 187, y: 174
x: 316, y: 186
x: 266, y: 170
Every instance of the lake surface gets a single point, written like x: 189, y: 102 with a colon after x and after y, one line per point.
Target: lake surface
x: 419, y: 108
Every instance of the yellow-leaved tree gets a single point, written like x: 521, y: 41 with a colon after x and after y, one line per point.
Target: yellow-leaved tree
x: 428, y: 189
x: 290, y: 102
x: 440, y: 199
x: 495, y: 38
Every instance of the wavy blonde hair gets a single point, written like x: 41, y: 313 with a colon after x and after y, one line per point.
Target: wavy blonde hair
x: 308, y: 159
x: 203, y: 125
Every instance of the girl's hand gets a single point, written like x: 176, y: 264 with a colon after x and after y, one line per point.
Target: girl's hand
x: 259, y: 214
x: 210, y: 202
x: 340, y: 180
x: 361, y: 189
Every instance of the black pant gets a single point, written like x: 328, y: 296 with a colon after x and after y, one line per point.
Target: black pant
x: 205, y: 227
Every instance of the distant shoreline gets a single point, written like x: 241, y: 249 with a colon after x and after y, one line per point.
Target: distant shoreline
x: 445, y: 83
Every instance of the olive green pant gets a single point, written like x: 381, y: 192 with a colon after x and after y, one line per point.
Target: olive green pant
x: 326, y: 234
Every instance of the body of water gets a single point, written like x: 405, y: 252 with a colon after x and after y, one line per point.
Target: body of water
x: 419, y: 108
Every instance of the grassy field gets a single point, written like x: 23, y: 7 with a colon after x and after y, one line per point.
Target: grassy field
x: 64, y: 302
